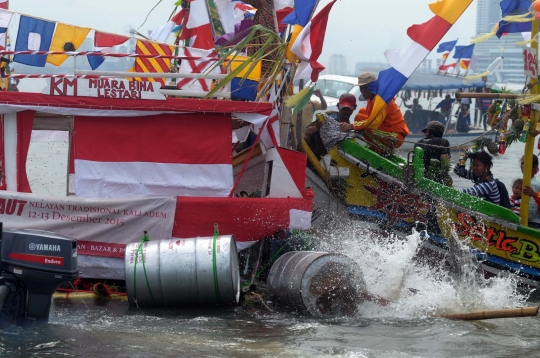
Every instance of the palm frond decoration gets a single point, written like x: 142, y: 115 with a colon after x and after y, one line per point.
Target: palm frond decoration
x: 270, y: 47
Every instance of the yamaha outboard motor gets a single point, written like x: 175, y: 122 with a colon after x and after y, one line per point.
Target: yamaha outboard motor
x: 33, y: 264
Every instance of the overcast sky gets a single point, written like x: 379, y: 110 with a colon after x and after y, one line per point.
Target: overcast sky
x: 359, y: 29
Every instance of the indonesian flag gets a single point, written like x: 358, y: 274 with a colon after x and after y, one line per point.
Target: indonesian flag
x: 464, y: 64
x: 308, y: 46
x: 173, y: 154
x: 446, y: 67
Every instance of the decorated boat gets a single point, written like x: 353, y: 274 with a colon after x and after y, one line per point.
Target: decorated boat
x: 150, y: 149
x: 395, y: 193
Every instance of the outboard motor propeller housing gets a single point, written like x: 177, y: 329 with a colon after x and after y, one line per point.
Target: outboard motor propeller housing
x: 33, y: 264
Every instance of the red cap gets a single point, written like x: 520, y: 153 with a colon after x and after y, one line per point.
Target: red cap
x: 347, y: 100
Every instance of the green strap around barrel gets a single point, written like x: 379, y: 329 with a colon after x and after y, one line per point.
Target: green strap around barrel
x: 140, y: 249
x: 214, y: 264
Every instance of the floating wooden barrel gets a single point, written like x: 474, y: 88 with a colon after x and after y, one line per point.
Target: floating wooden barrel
x: 320, y: 283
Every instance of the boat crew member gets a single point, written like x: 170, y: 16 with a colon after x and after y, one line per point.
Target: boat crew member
x: 534, y: 213
x: 387, y: 129
x: 463, y: 124
x: 433, y: 144
x: 485, y: 185
x: 323, y: 134
x: 309, y: 110
x: 413, y: 116
x: 480, y: 104
x: 446, y: 106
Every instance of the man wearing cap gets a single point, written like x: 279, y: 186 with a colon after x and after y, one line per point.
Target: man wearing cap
x: 386, y: 129
x: 433, y: 144
x: 325, y: 133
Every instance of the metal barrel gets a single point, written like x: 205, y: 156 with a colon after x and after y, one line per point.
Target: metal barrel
x: 176, y: 272
x: 321, y: 283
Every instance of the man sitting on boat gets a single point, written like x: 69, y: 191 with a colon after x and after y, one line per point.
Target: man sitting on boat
x: 446, y: 106
x: 387, y: 129
x: 485, y: 185
x: 325, y: 133
x: 435, y: 148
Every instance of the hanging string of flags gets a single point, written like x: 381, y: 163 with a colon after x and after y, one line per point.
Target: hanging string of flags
x: 101, y: 54
x: 40, y: 41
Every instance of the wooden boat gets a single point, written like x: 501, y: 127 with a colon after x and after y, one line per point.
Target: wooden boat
x: 394, y: 193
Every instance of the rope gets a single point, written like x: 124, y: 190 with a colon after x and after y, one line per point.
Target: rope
x: 438, y: 146
x: 140, y: 249
x: 214, y: 264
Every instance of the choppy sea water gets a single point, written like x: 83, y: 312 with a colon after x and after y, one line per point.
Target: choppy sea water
x: 408, y: 327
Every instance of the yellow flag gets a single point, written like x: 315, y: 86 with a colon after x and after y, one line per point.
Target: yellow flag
x: 66, y: 38
x: 254, y: 75
x: 295, y: 32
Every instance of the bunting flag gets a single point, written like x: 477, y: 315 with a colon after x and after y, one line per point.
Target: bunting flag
x: 514, y: 7
x: 283, y: 8
x: 104, y: 42
x: 308, y: 46
x: 66, y: 38
x: 34, y: 35
x: 5, y: 19
x: 245, y: 89
x: 464, y: 52
x: 198, y: 30
x: 161, y: 34
x: 4, y: 4
x: 446, y: 67
x: 152, y: 65
x: 405, y: 61
x: 446, y: 46
x: 303, y: 9
x: 464, y: 64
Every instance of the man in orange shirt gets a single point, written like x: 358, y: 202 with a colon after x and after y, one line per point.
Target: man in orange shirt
x: 386, y: 129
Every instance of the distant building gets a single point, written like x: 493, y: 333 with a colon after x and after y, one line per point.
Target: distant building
x: 487, y: 15
x: 337, y: 65
x: 370, y: 67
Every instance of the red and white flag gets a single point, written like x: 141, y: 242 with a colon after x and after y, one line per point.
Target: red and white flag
x: 161, y: 34
x: 198, y: 29
x: 308, y: 46
x: 180, y: 155
x: 446, y: 67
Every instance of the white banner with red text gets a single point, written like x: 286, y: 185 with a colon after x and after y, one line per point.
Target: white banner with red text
x: 102, y: 227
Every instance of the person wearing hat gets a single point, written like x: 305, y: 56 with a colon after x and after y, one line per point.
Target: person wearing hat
x: 385, y: 129
x: 433, y: 144
x: 325, y: 133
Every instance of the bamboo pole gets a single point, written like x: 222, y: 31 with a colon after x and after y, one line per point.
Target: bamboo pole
x: 492, y: 314
x: 529, y: 145
x: 487, y: 95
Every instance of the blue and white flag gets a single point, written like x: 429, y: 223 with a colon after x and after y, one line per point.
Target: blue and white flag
x: 33, y: 35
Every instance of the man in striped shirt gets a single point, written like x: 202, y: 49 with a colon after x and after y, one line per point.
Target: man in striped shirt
x: 485, y: 185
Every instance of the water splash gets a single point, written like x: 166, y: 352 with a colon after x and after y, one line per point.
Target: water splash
x: 417, y: 289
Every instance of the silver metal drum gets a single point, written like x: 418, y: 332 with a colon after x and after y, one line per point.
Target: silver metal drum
x: 320, y: 283
x: 201, y: 270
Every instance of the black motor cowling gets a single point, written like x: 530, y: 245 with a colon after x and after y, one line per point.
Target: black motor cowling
x: 33, y: 264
